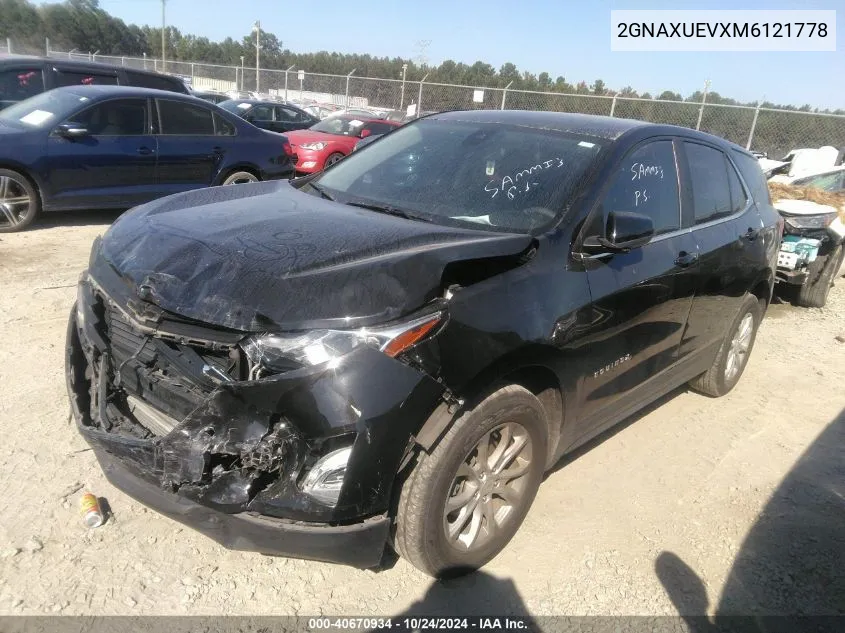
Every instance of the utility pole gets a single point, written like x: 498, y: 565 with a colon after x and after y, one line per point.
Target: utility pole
x: 402, y: 100
x: 163, y: 40
x: 243, y: 76
x: 703, y: 101
x: 287, y: 70
x: 257, y: 53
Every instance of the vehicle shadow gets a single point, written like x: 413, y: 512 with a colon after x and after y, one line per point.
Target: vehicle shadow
x: 478, y: 594
x: 792, y: 562
x: 94, y: 217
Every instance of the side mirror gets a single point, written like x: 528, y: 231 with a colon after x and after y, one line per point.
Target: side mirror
x: 625, y: 230
x: 365, y: 133
x: 69, y: 129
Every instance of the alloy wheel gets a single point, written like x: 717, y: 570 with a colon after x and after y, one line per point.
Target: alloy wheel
x: 489, y: 486
x: 14, y: 201
x: 741, y: 342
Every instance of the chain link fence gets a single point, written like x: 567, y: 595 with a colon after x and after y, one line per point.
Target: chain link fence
x: 773, y: 131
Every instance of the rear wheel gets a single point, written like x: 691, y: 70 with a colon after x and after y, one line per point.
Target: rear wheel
x: 465, y: 500
x: 813, y: 294
x: 19, y: 202
x: 240, y: 178
x: 333, y: 158
x: 733, y: 354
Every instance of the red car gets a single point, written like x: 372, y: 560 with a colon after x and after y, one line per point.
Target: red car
x: 331, y: 139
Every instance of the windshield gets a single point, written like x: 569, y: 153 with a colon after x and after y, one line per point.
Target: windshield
x: 236, y: 107
x: 45, y: 109
x: 344, y: 125
x: 488, y: 175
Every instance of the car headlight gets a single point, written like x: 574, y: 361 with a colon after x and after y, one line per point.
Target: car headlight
x: 274, y: 352
x: 810, y: 221
x: 319, y: 145
x: 325, y: 479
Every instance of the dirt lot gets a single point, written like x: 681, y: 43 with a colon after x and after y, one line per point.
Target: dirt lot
x: 650, y: 519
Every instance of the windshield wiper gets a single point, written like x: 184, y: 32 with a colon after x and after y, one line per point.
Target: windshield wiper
x: 389, y: 210
x: 321, y: 191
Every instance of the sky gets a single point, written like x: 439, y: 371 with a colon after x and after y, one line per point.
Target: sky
x: 557, y: 36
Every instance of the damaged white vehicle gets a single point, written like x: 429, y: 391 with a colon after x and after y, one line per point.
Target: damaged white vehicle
x: 813, y: 248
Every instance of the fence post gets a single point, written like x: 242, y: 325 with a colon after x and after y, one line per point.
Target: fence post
x: 613, y: 106
x: 9, y: 45
x: 419, y: 96
x: 192, y: 74
x: 505, y: 94
x: 703, y: 101
x: 346, y: 98
x: 47, y: 46
x: 753, y: 126
x: 145, y: 61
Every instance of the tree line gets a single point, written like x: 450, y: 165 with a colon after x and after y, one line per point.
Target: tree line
x: 83, y: 25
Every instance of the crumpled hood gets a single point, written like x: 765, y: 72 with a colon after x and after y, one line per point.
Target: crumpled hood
x: 267, y: 256
x: 803, y: 207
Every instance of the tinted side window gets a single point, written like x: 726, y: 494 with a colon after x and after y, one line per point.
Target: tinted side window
x: 379, y: 128
x: 75, y: 78
x: 260, y: 113
x: 711, y: 190
x: 157, y: 82
x: 738, y: 197
x: 753, y: 176
x: 185, y: 119
x: 19, y: 84
x: 647, y: 183
x: 121, y: 117
x: 828, y: 182
x: 286, y: 114
x: 222, y: 127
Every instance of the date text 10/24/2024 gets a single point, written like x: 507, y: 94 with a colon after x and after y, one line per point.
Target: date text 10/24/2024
x: 420, y: 623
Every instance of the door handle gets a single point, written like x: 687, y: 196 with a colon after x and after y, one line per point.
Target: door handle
x: 750, y: 234
x: 685, y: 259
x: 144, y: 151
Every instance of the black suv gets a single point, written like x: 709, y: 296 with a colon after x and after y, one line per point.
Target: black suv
x: 25, y: 77
x: 396, y: 349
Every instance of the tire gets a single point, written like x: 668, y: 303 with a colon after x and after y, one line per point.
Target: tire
x: 422, y: 520
x: 20, y: 203
x: 719, y: 379
x: 239, y: 178
x: 813, y: 294
x: 332, y: 159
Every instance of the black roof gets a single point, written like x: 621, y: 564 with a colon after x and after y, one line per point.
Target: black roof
x: 98, y: 92
x: 604, y: 127
x: 261, y: 102
x: 16, y: 60
x: 599, y: 126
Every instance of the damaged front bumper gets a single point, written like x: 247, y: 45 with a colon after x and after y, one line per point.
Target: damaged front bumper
x: 173, y: 426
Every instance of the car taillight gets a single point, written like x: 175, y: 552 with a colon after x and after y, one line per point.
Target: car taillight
x: 287, y: 148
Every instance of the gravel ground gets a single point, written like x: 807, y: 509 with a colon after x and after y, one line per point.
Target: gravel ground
x: 694, y: 506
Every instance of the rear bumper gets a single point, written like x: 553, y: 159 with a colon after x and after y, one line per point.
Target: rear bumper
x: 359, y: 545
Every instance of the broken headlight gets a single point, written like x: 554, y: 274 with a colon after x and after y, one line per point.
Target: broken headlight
x: 275, y: 352
x: 811, y: 221
x: 325, y: 478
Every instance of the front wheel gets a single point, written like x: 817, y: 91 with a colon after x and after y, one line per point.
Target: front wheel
x: 19, y: 202
x: 465, y: 500
x: 333, y: 158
